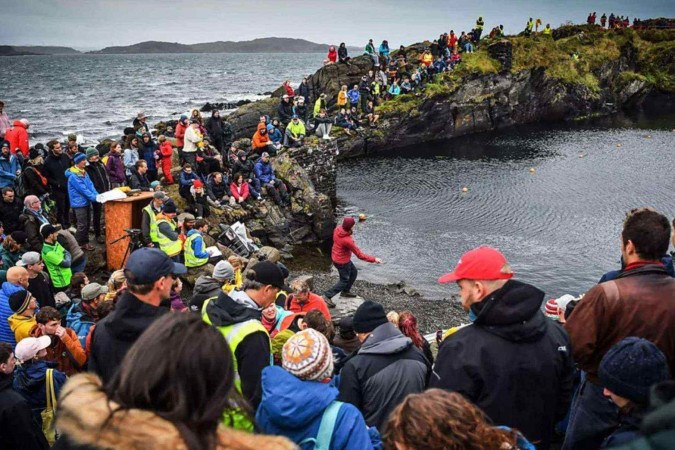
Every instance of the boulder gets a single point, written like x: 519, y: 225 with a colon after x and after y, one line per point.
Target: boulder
x: 502, y: 51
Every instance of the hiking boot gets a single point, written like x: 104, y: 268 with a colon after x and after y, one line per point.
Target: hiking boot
x: 87, y: 247
x: 347, y: 294
x: 328, y: 301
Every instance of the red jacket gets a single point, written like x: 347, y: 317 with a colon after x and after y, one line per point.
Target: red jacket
x: 344, y: 246
x: 180, y: 134
x: 289, y: 90
x: 166, y: 149
x: 332, y: 55
x: 239, y: 192
x: 17, y: 136
x: 313, y: 302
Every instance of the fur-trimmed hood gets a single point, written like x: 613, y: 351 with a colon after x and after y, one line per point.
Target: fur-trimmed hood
x: 84, y: 408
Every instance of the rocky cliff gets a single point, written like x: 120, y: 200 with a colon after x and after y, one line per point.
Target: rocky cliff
x: 580, y: 72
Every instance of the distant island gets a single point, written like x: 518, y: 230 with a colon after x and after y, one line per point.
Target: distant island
x: 22, y: 50
x: 262, y: 45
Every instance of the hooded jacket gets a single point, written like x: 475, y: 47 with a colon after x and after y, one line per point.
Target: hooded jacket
x: 80, y: 188
x: 21, y: 325
x: 253, y: 353
x: 31, y: 221
x: 344, y: 246
x: 80, y: 322
x: 8, y: 166
x: 98, y: 176
x: 17, y: 136
x: 67, y: 352
x: 84, y: 418
x: 113, y: 336
x: 29, y: 381
x: 18, y: 429
x: 205, y: 287
x: 264, y: 172
x: 10, y: 215
x: 138, y: 181
x: 385, y: 369
x: 512, y: 362
x: 294, y: 408
x: 6, y: 333
x: 147, y: 152
x: 243, y: 167
x: 115, y: 168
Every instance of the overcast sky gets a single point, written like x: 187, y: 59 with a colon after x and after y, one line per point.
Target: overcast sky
x: 94, y: 24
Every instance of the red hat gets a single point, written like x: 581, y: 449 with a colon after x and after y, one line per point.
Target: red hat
x: 551, y: 308
x: 348, y: 223
x: 198, y: 184
x: 482, y: 263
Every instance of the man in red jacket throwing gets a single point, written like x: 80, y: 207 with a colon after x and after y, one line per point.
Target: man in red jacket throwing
x: 341, y: 255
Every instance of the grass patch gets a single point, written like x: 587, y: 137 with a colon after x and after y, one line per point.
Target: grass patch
x: 399, y: 105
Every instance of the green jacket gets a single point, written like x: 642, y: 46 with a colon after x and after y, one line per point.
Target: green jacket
x: 55, y: 257
x: 296, y: 129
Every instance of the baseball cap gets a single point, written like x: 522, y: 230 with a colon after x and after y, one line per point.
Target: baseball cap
x: 147, y: 265
x: 482, y: 263
x: 28, y: 347
x: 93, y: 290
x: 28, y: 259
x: 267, y: 272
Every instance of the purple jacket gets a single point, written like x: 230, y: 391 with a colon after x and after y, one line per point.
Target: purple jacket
x: 115, y: 168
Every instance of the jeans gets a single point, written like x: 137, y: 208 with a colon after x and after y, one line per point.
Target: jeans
x: 82, y: 219
x: 79, y: 265
x: 254, y: 187
x: 278, y: 191
x: 62, y: 207
x: 592, y: 417
x: 348, y: 274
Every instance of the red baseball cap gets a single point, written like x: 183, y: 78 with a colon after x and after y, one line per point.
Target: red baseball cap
x: 482, y: 263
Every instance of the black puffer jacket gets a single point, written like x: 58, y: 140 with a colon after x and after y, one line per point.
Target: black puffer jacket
x: 99, y: 176
x: 512, y: 362
x: 385, y: 369
x: 17, y: 427
x: 55, y: 170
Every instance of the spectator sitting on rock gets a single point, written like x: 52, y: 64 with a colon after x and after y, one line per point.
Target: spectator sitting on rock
x: 303, y: 89
x: 324, y: 123
x: 275, y: 187
x: 209, y: 286
x: 208, y: 159
x: 261, y: 141
x: 345, y: 121
x: 295, y: 133
x: 320, y: 104
x: 239, y: 189
x: 331, y: 58
x: 274, y: 133
x: 406, y: 86
x: 370, y: 113
x: 300, y: 109
x: 196, y: 254
x: 245, y: 167
x: 343, y: 54
x: 187, y: 177
x: 285, y: 109
x: 354, y: 115
x: 455, y: 59
x: 303, y: 300
x: 394, y: 89
x: 197, y: 202
x: 138, y: 178
x: 216, y: 190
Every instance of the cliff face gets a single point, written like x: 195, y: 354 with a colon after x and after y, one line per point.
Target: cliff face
x: 582, y: 71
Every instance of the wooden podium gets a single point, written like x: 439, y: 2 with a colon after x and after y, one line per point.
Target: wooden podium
x: 120, y: 215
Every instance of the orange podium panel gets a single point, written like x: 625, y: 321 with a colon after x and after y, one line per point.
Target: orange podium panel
x: 120, y: 215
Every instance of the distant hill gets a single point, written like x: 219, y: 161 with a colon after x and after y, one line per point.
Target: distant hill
x: 46, y: 50
x: 262, y: 45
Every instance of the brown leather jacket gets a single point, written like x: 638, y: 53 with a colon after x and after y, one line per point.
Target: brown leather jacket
x: 640, y: 302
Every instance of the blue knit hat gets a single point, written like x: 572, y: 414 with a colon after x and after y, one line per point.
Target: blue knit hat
x: 79, y: 157
x: 631, y: 367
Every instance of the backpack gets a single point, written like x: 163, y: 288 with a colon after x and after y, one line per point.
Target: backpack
x: 49, y: 413
x: 325, y: 435
x: 20, y: 186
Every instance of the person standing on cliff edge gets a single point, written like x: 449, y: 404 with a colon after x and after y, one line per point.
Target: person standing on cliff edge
x: 341, y: 255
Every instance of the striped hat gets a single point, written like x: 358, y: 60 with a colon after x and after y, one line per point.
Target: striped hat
x: 551, y: 309
x: 308, y: 356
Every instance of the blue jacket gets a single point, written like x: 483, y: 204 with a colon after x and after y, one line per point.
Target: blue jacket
x: 667, y: 261
x: 293, y: 408
x: 80, y: 189
x: 353, y: 95
x: 198, y: 244
x: 80, y: 322
x: 264, y: 172
x: 186, y: 179
x: 29, y: 381
x: 275, y: 135
x: 6, y: 333
x: 8, y: 168
x: 147, y: 152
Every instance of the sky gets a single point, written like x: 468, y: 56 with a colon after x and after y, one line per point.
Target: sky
x: 94, y: 24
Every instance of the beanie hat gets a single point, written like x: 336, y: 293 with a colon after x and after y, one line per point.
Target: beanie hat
x: 169, y: 208
x: 348, y: 223
x: 278, y: 342
x: 33, y: 153
x: 154, y: 184
x: 91, y: 151
x: 631, y: 367
x: 197, y: 184
x: 223, y: 271
x: 308, y: 356
x: 551, y: 309
x: 19, y: 301
x: 20, y: 237
x: 368, y: 316
x: 79, y: 157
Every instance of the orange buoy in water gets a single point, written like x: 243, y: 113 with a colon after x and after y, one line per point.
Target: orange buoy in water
x: 465, y: 189
x: 362, y: 217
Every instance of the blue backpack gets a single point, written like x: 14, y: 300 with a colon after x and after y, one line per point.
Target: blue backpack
x: 325, y: 435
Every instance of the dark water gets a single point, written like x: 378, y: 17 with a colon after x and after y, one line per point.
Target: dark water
x: 558, y: 226
x: 99, y: 95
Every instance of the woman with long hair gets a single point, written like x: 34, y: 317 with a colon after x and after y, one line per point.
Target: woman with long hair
x: 170, y: 392
x: 407, y: 323
x: 13, y: 249
x: 442, y: 420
